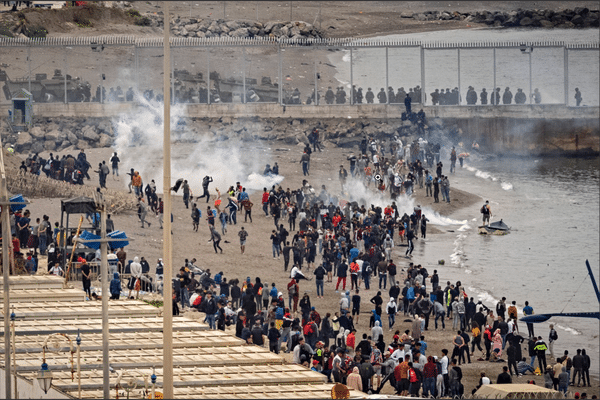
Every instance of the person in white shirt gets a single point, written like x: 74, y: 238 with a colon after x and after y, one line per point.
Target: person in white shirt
x: 444, y: 364
x: 56, y: 270
x: 135, y: 269
x: 392, y: 309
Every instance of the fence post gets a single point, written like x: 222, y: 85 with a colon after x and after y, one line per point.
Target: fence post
x: 65, y: 65
x: 280, y: 74
x: 244, y: 75
x: 387, y: 75
x: 208, y: 74
x: 351, y: 79
x: 566, y: 60
x: 29, y: 65
x: 316, y: 99
x: 493, y: 92
x: 137, y: 72
x: 459, y: 91
x: 422, y: 76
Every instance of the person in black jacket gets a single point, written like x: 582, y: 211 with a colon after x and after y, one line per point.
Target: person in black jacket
x: 511, y: 354
x: 184, y: 281
x: 319, y: 277
x: 210, y: 308
x: 504, y: 377
x: 273, y: 337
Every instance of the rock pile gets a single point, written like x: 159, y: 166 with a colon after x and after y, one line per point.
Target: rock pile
x: 580, y: 17
x: 207, y: 28
x: 60, y: 133
x: 54, y: 134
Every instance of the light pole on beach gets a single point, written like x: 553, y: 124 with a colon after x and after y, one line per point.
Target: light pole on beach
x: 167, y: 251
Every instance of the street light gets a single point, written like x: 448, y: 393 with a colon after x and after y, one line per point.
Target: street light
x: 153, y: 379
x: 44, y: 377
x: 78, y: 341
x: 528, y: 50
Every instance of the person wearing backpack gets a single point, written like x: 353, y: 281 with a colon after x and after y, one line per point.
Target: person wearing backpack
x: 486, y: 212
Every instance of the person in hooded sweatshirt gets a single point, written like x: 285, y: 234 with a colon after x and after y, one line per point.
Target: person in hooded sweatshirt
x: 136, y: 276
x: 563, y: 381
x: 115, y: 287
x: 376, y: 331
x: 354, y: 380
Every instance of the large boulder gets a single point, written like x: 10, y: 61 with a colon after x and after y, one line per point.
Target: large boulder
x: 37, y: 147
x: 81, y: 144
x: 526, y: 21
x: 37, y: 132
x: 241, y: 32
x: 105, y: 140
x: 90, y: 134
x: 49, y: 145
x: 71, y: 137
x: 53, y: 135
x: 24, y: 138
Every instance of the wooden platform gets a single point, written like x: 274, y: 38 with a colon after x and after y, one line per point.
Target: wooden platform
x: 49, y: 295
x: 206, y: 363
x: 33, y: 282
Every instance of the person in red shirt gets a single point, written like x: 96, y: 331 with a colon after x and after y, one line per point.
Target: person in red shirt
x: 16, y: 245
x: 401, y: 375
x: 429, y: 376
x: 336, y: 220
x: 351, y: 340
x: 265, y: 202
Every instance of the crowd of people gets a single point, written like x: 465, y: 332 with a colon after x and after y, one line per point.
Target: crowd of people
x: 324, y: 240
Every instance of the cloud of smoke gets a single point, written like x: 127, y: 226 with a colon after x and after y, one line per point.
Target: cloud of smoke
x: 139, y: 144
x: 357, y: 191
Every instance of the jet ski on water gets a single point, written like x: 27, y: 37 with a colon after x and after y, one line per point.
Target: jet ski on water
x: 495, y: 228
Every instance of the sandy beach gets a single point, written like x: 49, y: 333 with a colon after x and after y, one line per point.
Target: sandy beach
x: 348, y: 19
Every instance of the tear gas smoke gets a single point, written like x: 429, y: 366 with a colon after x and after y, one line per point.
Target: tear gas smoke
x: 139, y: 144
x: 357, y: 191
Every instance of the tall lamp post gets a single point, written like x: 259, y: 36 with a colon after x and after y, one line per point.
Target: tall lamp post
x: 528, y: 50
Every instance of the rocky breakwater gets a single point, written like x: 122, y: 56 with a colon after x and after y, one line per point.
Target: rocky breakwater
x: 207, y: 28
x: 580, y: 17
x: 54, y: 134
x: 61, y: 133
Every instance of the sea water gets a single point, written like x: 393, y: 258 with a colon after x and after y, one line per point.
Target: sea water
x: 552, y: 205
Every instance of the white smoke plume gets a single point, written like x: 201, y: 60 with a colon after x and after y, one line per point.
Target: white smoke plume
x: 139, y: 144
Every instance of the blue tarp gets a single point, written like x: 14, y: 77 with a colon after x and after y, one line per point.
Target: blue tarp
x: 17, y: 198
x: 85, y: 235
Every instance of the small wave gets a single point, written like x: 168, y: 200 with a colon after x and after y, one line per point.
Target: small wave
x: 506, y: 186
x: 463, y: 228
x: 569, y: 329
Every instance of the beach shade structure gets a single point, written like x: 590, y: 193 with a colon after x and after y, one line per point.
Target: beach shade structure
x: 532, y: 319
x: 85, y: 236
x: 18, y: 198
x: 117, y: 243
x: 515, y: 391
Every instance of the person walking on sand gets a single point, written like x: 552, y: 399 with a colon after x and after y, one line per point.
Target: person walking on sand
x: 195, y: 217
x: 486, y: 212
x: 243, y: 234
x: 216, y: 238
x: 143, y: 211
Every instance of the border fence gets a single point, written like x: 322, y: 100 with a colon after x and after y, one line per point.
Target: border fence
x: 310, y: 71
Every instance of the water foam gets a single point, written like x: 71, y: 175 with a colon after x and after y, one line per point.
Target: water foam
x: 488, y: 176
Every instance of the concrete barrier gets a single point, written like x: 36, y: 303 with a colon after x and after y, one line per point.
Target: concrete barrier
x: 271, y: 110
